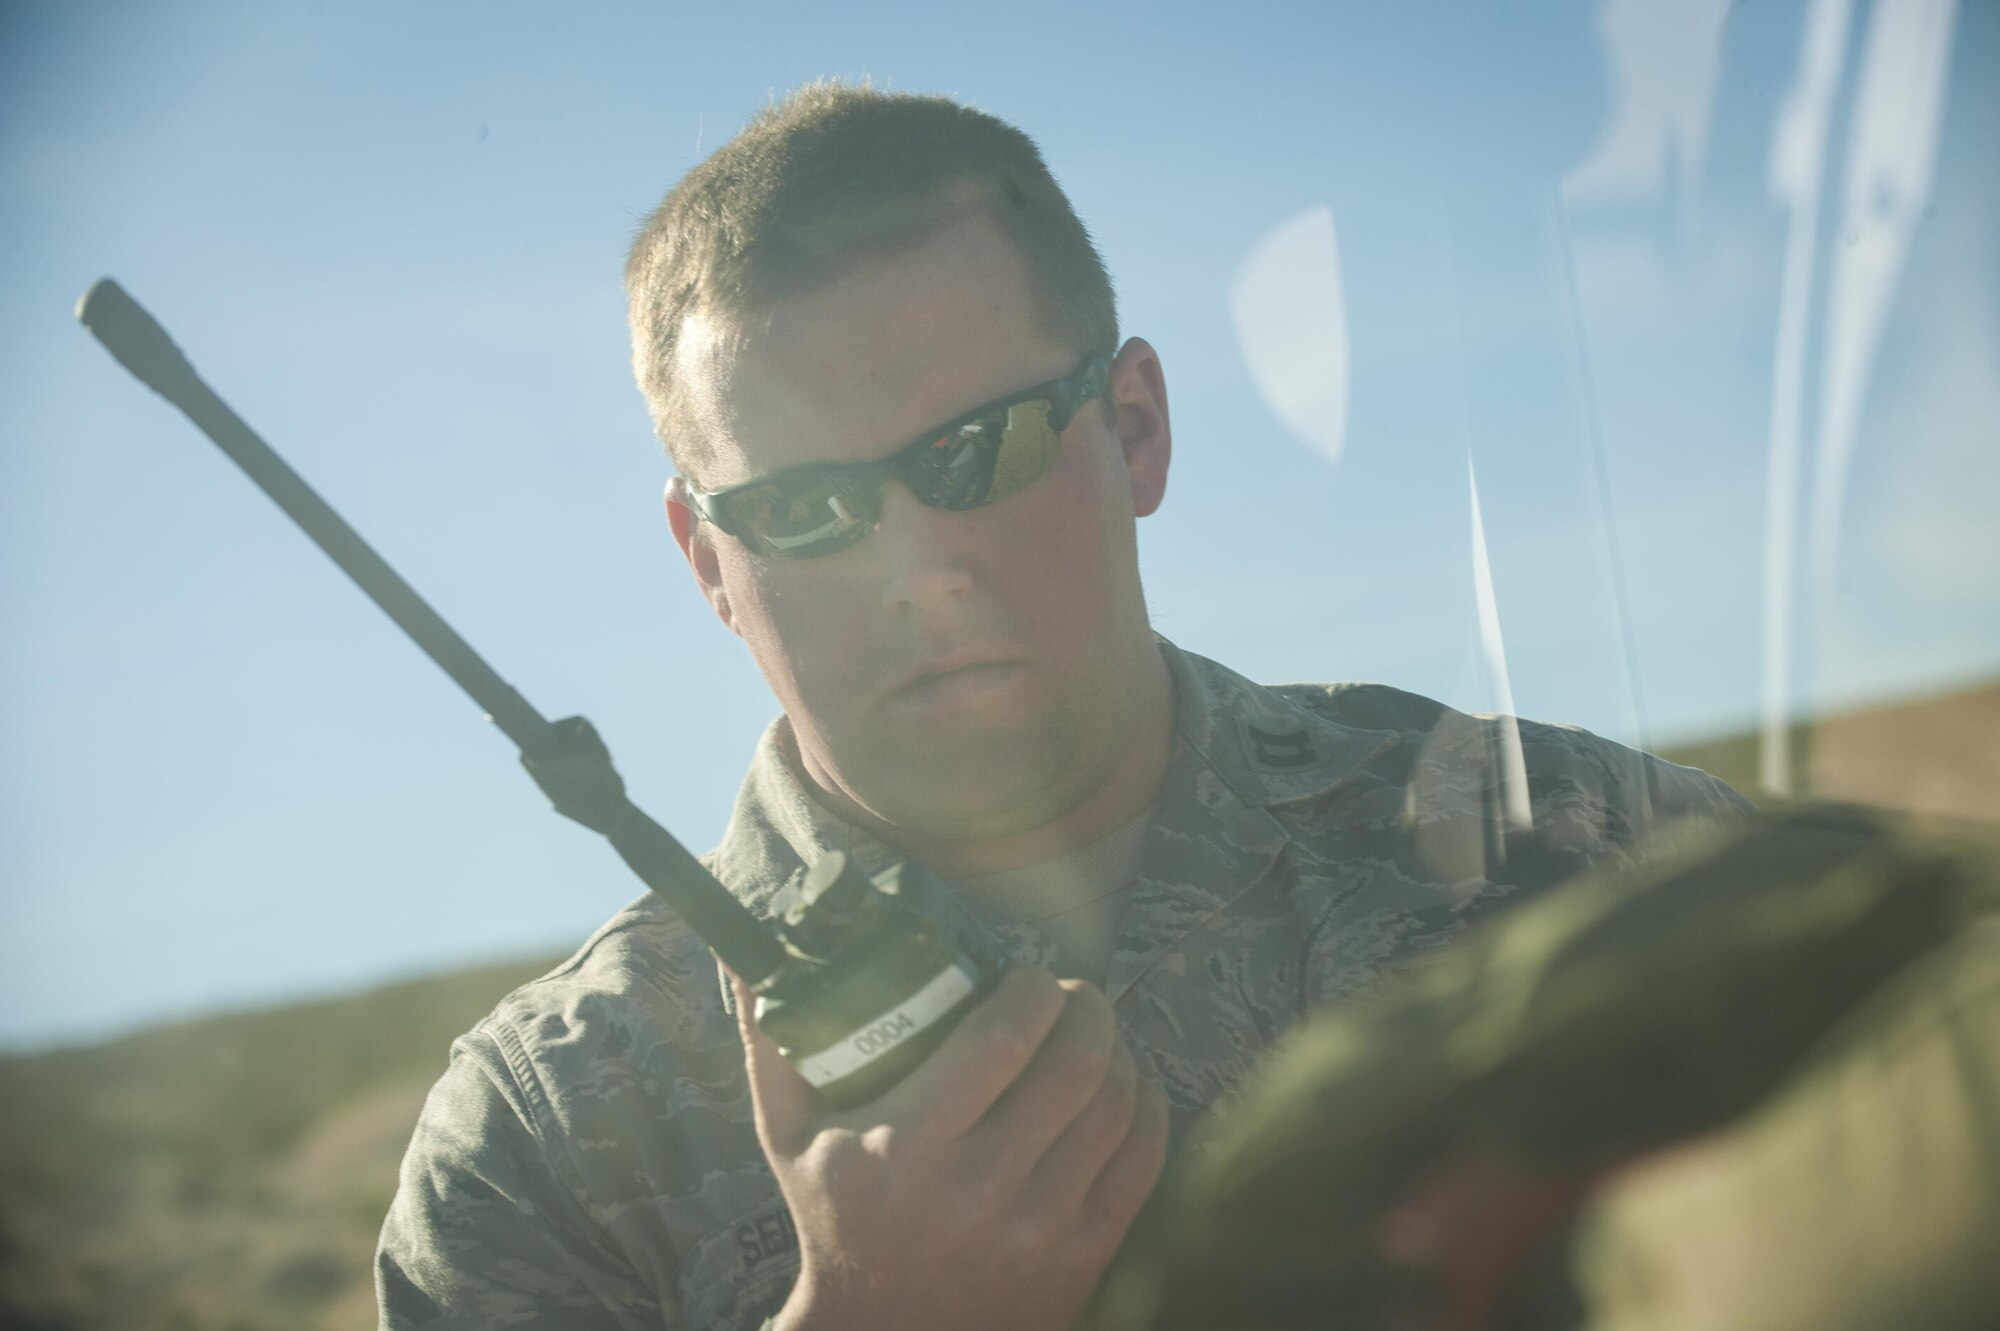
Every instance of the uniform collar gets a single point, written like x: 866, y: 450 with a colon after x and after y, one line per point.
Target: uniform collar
x: 777, y: 830
x: 1239, y: 750
x: 1241, y: 753
x: 1268, y: 749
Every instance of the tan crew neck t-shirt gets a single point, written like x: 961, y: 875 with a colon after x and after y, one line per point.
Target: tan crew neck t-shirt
x: 1074, y: 900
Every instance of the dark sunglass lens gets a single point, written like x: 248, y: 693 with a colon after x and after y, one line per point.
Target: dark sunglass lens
x: 1028, y: 447
x: 987, y: 459
x: 953, y: 470
x: 800, y: 518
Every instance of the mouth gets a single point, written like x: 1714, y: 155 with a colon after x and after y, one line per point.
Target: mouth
x: 953, y: 683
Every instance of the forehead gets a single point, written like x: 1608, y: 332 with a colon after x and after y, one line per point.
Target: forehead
x: 850, y: 371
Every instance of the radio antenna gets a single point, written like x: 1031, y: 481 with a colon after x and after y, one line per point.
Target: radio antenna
x: 566, y: 757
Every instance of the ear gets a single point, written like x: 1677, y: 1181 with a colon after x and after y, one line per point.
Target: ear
x: 693, y: 538
x: 1138, y: 390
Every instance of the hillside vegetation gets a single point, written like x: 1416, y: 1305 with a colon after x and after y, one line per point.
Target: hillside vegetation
x: 225, y: 1174
x: 231, y: 1173
x: 1936, y: 756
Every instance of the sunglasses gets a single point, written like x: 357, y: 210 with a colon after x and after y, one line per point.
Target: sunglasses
x: 979, y: 458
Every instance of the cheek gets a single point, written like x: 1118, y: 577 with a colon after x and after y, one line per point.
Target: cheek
x: 1077, y: 550
x: 802, y: 633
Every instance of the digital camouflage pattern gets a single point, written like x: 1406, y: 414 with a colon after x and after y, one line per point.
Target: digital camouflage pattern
x: 588, y: 1159
x: 1750, y: 1084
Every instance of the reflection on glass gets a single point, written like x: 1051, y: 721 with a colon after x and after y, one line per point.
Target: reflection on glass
x: 1709, y: 311
x: 1291, y: 322
x: 1514, y: 809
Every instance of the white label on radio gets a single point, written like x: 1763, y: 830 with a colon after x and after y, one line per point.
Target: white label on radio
x: 877, y: 1037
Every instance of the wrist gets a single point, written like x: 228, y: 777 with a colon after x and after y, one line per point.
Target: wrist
x: 808, y: 1308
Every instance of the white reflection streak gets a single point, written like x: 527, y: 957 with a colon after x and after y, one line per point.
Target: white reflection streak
x: 1514, y: 807
x: 1607, y: 517
x: 1798, y: 161
x: 1891, y: 154
x: 1290, y: 309
x: 1664, y: 59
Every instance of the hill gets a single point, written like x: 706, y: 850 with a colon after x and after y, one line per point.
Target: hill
x: 230, y: 1173
x: 222, y: 1174
x: 1937, y: 756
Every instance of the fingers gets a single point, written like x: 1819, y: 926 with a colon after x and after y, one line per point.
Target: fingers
x: 1064, y: 1175
x: 782, y: 1100
x: 952, y: 1090
x: 1062, y: 1079
x: 1127, y: 1180
x: 993, y: 1183
x: 1033, y: 1084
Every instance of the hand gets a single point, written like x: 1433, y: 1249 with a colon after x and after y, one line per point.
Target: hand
x: 988, y: 1189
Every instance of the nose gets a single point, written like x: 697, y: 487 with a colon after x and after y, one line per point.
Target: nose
x: 925, y: 553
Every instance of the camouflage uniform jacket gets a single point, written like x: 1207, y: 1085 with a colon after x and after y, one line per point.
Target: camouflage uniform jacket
x: 588, y: 1159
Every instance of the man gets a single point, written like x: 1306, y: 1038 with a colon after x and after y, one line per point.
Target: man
x: 912, y: 451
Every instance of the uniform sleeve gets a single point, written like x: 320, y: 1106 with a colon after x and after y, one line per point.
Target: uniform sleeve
x: 485, y: 1231
x: 1600, y: 797
x: 1678, y: 792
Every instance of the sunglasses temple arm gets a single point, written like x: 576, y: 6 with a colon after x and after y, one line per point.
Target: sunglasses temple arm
x: 566, y: 758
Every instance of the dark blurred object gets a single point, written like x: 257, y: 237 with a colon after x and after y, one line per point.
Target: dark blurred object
x: 1752, y: 1082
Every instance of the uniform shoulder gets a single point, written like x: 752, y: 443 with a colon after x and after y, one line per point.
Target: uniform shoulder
x: 1557, y: 758
x: 642, y: 987
x: 532, y: 1181
x: 1365, y: 706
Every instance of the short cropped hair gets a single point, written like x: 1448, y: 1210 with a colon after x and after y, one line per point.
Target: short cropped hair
x: 832, y: 176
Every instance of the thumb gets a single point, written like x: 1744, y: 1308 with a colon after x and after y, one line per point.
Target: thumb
x: 784, y: 1102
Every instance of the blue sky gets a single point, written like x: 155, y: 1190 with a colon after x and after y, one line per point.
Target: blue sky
x: 1381, y: 249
